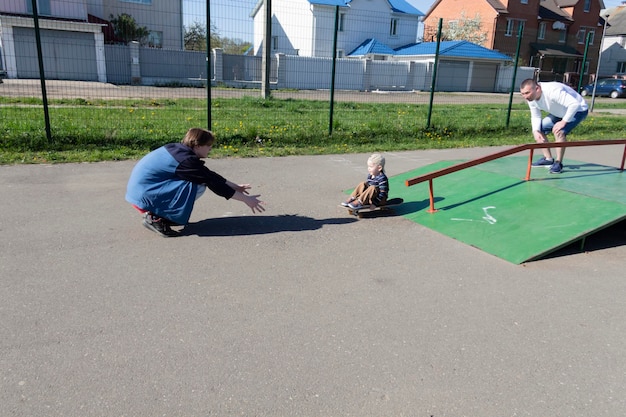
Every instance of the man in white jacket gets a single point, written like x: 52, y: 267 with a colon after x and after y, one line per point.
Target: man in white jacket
x: 566, y: 109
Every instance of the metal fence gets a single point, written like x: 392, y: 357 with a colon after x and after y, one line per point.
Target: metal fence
x: 51, y: 48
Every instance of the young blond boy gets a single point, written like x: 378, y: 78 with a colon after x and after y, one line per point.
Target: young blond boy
x: 374, y: 190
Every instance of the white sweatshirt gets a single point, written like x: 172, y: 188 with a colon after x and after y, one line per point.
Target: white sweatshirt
x: 557, y: 99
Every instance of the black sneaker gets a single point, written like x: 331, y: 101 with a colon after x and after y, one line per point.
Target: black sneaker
x: 556, y: 168
x: 158, y: 225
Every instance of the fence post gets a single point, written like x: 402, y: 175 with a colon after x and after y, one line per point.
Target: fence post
x: 519, y: 42
x: 209, y: 88
x: 434, y: 78
x: 218, y: 64
x: 367, y: 74
x: 283, y: 68
x: 267, y: 50
x: 42, y: 76
x: 101, y: 61
x: 332, y: 73
x: 411, y: 78
x: 135, y: 65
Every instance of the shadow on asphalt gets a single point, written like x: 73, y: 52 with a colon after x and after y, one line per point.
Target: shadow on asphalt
x: 403, y: 209
x: 610, y: 237
x: 258, y: 225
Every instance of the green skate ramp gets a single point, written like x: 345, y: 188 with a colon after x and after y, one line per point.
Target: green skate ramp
x: 492, y: 208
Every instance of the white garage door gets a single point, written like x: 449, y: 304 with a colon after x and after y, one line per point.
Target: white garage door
x: 452, y: 76
x: 484, y: 77
x: 66, y: 55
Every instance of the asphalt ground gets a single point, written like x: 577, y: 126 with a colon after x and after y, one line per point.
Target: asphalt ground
x: 300, y: 311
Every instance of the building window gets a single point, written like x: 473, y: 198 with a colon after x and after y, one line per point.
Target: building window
x: 137, y: 1
x: 582, y: 35
x: 43, y: 7
x: 510, y: 24
x: 393, y: 29
x: 542, y: 30
x: 592, y: 36
x: 155, y: 39
x: 621, y: 66
x: 340, y: 53
x: 342, y: 22
x: 587, y: 5
x: 524, y: 1
x: 274, y: 43
x: 513, y: 26
x: 562, y: 36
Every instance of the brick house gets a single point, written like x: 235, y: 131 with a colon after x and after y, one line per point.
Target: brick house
x: 554, y: 32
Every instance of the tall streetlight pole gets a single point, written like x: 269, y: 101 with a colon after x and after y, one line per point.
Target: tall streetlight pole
x: 595, y: 81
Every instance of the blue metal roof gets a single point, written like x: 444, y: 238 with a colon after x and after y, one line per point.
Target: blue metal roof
x: 372, y: 46
x: 398, y: 6
x: 402, y: 6
x: 457, y: 49
x: 343, y: 3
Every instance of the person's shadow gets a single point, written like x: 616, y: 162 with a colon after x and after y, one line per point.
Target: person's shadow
x: 258, y: 225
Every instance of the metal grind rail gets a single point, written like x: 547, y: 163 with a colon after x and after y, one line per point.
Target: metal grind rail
x: 530, y: 146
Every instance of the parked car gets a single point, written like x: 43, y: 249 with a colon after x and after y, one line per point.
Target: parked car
x: 611, y: 87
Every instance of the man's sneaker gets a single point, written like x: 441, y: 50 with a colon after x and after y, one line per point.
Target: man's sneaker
x: 556, y: 168
x: 543, y: 162
x: 158, y: 225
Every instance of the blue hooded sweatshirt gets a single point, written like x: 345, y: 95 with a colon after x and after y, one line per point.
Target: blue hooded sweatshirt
x: 164, y: 182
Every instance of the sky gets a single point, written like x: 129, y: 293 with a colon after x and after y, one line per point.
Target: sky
x: 232, y: 17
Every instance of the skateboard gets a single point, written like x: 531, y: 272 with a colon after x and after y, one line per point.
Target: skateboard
x: 388, y: 206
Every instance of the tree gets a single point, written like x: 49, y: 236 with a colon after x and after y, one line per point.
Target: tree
x: 464, y: 29
x: 126, y: 28
x: 195, y: 40
x: 195, y: 37
x: 234, y: 46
